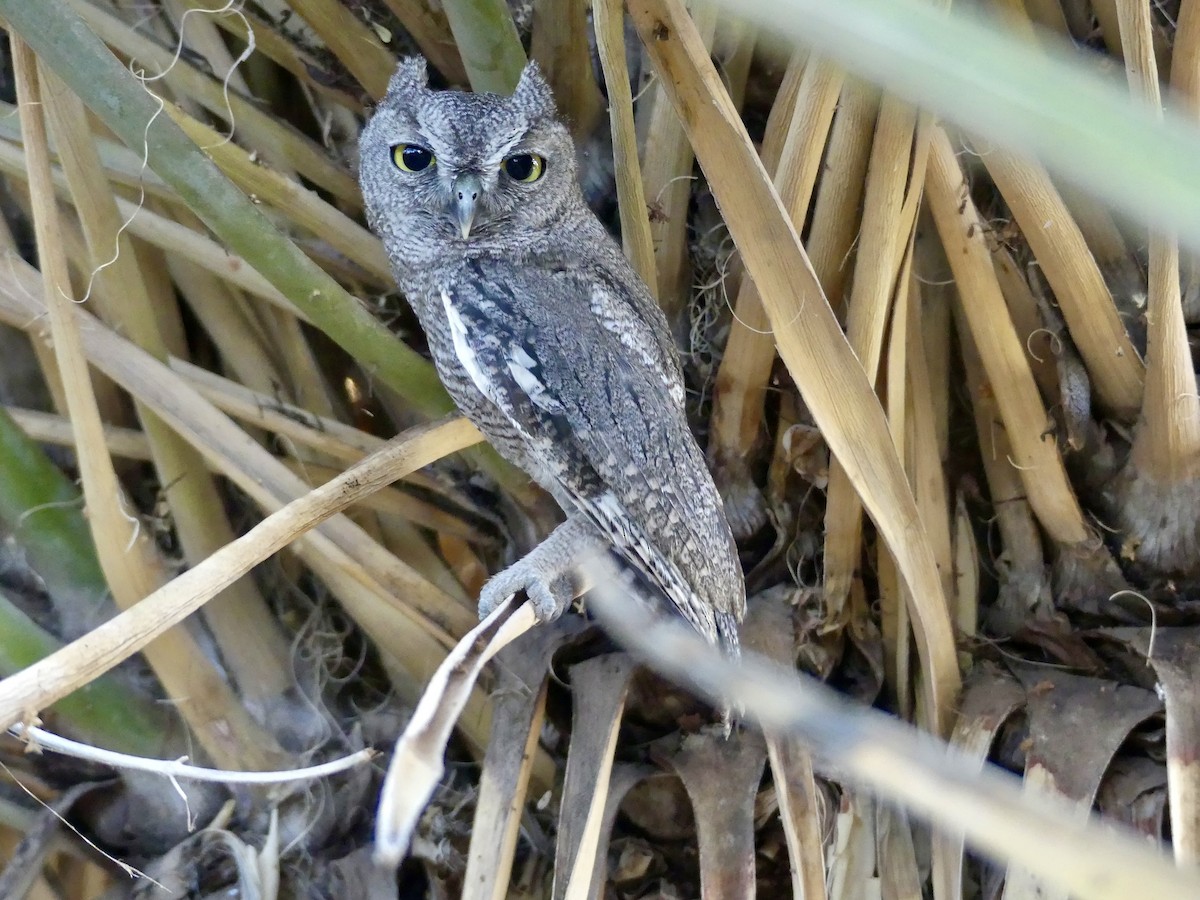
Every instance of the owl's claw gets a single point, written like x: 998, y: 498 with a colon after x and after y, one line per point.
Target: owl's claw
x: 549, y: 593
x: 546, y: 575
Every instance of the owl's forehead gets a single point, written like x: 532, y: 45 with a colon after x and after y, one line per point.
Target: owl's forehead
x: 470, y: 126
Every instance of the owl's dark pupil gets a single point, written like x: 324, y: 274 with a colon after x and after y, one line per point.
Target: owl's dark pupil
x: 520, y: 166
x: 416, y: 158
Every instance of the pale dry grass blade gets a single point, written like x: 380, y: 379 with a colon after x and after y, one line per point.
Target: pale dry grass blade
x: 1163, y: 473
x: 130, y: 561
x: 271, y: 42
x: 426, y: 24
x: 418, y: 761
x: 883, y: 238
x: 1041, y: 344
x: 609, y: 22
x: 323, y: 434
x: 1113, y: 363
x: 226, y: 317
x: 807, y: 334
x: 599, y: 687
x: 559, y: 45
x: 351, y: 40
x: 519, y: 701
x: 989, y: 698
x: 49, y: 428
x: 1021, y: 564
x: 667, y: 182
x: 852, y: 846
x: 899, y: 872
x: 835, y: 219
x: 1185, y: 59
x: 1035, y: 457
x: 792, y: 148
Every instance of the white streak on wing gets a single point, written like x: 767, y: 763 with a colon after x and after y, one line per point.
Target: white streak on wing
x: 528, y: 382
x: 464, y: 351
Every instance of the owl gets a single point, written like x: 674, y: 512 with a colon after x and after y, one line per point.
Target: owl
x: 548, y: 341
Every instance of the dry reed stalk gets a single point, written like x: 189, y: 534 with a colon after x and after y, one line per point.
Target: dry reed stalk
x: 223, y: 314
x: 667, y: 183
x: 49, y: 428
x: 1040, y: 343
x: 132, y: 630
x: 396, y: 503
x: 304, y: 380
x: 835, y: 219
x: 409, y: 544
x: 1078, y: 286
x: 600, y: 687
x: 809, y: 338
x: 270, y: 41
x: 356, y: 45
x: 792, y: 149
x: 924, y: 457
x: 327, y: 435
x: 280, y: 144
x: 505, y: 779
x: 418, y: 762
x: 1164, y: 463
x: 247, y: 634
x: 166, y: 234
x: 426, y: 24
x: 304, y: 208
x: 1035, y: 456
x: 1021, y: 563
x: 609, y: 21
x: 130, y: 563
x: 204, y: 39
x: 560, y: 47
x: 884, y: 234
x: 894, y: 599
x: 1166, y: 447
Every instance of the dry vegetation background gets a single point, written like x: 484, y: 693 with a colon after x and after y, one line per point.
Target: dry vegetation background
x: 1014, y: 404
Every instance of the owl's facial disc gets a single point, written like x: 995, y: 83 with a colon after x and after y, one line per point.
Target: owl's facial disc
x: 467, y: 188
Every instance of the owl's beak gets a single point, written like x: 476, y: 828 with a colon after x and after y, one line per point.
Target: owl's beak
x: 467, y: 189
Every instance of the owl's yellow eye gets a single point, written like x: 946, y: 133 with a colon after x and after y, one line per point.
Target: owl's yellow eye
x: 413, y: 157
x: 526, y: 167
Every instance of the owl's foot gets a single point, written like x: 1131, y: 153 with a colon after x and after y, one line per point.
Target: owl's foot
x: 546, y: 575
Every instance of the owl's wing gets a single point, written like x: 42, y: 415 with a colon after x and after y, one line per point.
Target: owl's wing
x: 581, y: 378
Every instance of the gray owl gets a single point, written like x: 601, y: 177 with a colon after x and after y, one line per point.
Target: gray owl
x: 548, y: 341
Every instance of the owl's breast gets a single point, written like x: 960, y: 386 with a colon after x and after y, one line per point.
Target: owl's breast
x: 464, y: 391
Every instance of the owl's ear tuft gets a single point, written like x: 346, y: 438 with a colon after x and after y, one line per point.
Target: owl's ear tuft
x: 410, y: 78
x: 533, y: 95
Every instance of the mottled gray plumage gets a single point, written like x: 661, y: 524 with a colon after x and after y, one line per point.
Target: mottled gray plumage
x: 548, y: 341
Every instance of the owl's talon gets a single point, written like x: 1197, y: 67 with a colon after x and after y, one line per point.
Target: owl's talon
x: 548, y: 593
